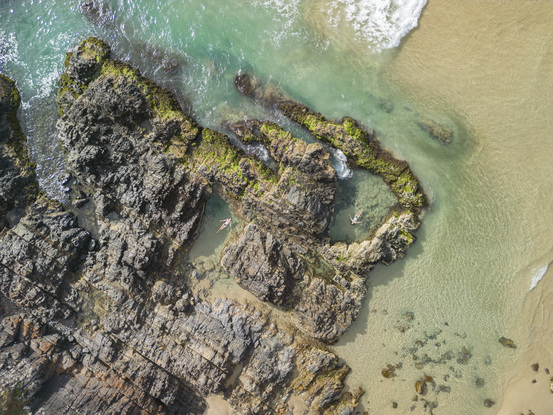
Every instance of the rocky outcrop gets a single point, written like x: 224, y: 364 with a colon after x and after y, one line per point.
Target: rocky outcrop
x: 295, y: 208
x: 361, y: 146
x: 116, y: 134
x: 101, y: 317
x: 263, y: 266
x: 17, y: 176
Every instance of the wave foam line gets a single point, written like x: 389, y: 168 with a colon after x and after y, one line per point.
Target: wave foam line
x: 537, y: 275
x: 381, y: 22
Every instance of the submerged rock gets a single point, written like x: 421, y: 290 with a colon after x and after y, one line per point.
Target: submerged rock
x: 507, y: 342
x: 421, y: 387
x: 389, y: 372
x: 464, y: 355
x: 488, y: 403
x: 436, y: 130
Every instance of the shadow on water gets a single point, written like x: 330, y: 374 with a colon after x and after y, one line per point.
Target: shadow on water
x: 38, y: 122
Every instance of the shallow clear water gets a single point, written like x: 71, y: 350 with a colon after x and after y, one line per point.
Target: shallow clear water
x: 211, y: 235
x: 482, y: 68
x: 363, y: 192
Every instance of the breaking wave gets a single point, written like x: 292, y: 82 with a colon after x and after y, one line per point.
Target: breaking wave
x: 383, y: 23
x: 537, y: 275
x: 8, y: 49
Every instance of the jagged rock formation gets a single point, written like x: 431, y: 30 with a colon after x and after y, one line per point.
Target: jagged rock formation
x: 323, y: 283
x: 17, y: 175
x: 101, y: 319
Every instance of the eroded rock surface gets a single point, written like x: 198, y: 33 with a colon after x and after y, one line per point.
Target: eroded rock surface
x: 292, y: 206
x: 17, y: 175
x: 101, y: 319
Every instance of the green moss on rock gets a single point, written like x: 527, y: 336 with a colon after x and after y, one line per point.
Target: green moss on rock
x: 361, y: 147
x: 217, y: 159
x: 91, y: 60
x: 13, y: 401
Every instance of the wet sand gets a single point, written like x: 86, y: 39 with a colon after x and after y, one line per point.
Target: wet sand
x: 216, y: 405
x: 522, y: 395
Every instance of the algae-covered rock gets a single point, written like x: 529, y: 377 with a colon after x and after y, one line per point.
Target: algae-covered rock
x: 360, y: 145
x: 119, y: 133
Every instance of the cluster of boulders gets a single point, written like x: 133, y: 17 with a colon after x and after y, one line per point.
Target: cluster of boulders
x: 102, y: 318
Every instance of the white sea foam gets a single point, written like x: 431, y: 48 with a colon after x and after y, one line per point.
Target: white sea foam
x: 8, y: 49
x: 339, y: 162
x: 257, y: 150
x: 286, y: 8
x: 383, y: 23
x: 537, y: 275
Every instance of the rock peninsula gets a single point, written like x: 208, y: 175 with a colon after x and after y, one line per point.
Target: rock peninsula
x: 101, y: 316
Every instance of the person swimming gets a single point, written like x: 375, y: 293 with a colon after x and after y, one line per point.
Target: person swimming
x: 226, y: 222
x: 355, y: 220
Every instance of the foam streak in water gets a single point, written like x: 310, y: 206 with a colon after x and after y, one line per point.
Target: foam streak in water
x: 383, y: 23
x: 8, y: 49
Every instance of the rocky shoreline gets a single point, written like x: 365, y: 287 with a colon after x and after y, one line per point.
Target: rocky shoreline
x: 103, y: 318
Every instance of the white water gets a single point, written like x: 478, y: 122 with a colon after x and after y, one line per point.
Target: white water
x: 537, y: 275
x: 339, y: 162
x: 382, y: 23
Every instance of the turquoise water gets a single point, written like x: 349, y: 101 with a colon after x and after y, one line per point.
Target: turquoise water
x: 467, y: 268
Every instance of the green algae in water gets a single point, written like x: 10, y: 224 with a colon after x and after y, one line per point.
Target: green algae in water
x: 363, y: 191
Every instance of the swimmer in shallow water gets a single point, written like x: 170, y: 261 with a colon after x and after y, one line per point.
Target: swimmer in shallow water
x: 226, y: 222
x: 355, y: 220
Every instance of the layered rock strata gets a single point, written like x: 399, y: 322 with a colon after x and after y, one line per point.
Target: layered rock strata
x: 101, y: 318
